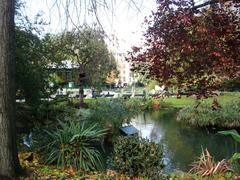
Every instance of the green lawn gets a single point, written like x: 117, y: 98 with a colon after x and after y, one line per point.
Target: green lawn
x: 184, y: 100
x: 222, y: 98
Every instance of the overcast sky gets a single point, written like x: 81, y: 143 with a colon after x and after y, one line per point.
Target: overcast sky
x: 120, y: 19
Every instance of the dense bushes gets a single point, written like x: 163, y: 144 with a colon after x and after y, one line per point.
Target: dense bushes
x: 119, y: 108
x: 74, y: 144
x: 109, y: 112
x: 112, y: 112
x: 136, y: 156
x: 42, y: 114
x: 71, y: 143
x: 204, y: 115
x: 103, y: 111
x: 139, y: 104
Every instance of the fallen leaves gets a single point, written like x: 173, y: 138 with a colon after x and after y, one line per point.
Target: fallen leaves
x: 35, y: 169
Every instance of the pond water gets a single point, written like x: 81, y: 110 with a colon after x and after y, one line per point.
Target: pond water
x: 181, y: 143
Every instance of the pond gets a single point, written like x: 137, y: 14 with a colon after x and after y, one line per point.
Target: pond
x: 181, y: 143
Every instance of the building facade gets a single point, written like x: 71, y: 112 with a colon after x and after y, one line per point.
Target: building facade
x: 126, y: 76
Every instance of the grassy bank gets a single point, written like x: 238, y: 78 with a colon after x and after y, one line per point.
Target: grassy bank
x: 223, y: 113
x: 173, y: 101
x: 184, y: 100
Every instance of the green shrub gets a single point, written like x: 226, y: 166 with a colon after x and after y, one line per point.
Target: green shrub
x: 136, y: 156
x: 113, y: 112
x: 74, y: 144
x: 46, y: 113
x: 50, y: 111
x: 139, y: 104
x: 203, y: 115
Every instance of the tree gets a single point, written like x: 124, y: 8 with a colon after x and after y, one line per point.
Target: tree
x: 193, y: 49
x: 8, y: 153
x: 30, y: 66
x: 86, y: 48
x: 31, y: 79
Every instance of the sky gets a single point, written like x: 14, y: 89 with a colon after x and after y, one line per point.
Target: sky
x: 121, y: 19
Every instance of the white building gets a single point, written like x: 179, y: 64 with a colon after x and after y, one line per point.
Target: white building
x: 125, y: 76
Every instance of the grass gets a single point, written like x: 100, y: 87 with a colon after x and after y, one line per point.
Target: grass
x: 173, y: 101
x: 225, y: 115
x: 184, y: 100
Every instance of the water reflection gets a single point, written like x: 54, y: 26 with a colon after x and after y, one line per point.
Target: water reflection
x: 181, y: 144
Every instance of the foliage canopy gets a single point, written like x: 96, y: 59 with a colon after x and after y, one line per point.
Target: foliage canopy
x: 87, y: 49
x: 192, y: 49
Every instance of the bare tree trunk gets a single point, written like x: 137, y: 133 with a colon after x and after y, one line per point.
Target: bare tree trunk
x: 81, y: 90
x: 8, y: 150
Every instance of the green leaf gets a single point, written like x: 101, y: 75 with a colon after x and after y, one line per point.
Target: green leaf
x: 232, y: 133
x: 235, y: 156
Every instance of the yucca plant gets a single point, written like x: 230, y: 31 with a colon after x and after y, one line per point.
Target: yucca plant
x: 206, y: 166
x: 74, y: 144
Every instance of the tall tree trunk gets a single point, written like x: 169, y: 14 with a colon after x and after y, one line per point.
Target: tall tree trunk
x: 8, y: 149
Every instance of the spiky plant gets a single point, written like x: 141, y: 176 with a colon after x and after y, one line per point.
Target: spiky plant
x: 206, y: 166
x: 74, y: 144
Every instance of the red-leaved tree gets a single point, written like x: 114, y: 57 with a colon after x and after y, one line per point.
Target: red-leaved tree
x: 192, y: 48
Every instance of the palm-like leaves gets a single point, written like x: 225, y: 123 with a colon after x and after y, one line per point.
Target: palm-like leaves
x: 74, y: 144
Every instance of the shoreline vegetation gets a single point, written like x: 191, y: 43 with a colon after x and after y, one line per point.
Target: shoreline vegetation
x: 193, y: 112
x: 109, y: 114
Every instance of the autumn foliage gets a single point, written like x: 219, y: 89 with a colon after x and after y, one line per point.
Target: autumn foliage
x: 191, y: 48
